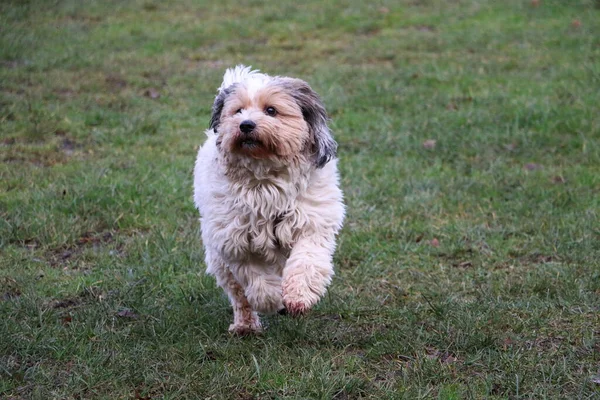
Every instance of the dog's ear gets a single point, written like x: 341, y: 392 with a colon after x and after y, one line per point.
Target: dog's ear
x: 217, y: 107
x: 324, y: 146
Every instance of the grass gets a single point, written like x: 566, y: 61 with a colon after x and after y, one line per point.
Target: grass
x: 469, y: 265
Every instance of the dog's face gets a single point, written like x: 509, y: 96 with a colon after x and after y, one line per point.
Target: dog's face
x: 272, y: 117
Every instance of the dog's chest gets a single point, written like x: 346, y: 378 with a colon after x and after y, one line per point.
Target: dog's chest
x: 260, y: 223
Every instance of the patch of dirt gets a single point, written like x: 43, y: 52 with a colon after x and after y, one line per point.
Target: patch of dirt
x: 148, y: 6
x: 8, y: 141
x: 444, y: 357
x: 16, y: 367
x: 67, y: 304
x: 127, y: 313
x: 41, y: 158
x: 369, y: 31
x: 538, y: 258
x: 138, y: 395
x: 115, y: 82
x: 546, y: 344
x: 395, y: 357
x: 88, y: 19
x: 54, y: 148
x: 152, y: 93
x: 12, y: 64
x: 458, y: 256
x: 69, y: 146
x: 157, y: 78
x: 64, y: 256
x: 28, y: 243
x: 425, y: 28
x: 95, y: 238
x: 532, y: 167
x: 65, y: 93
x: 343, y: 395
x: 211, y: 355
x: 9, y: 289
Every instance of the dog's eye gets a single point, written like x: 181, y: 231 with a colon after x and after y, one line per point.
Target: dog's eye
x: 270, y: 111
x: 239, y: 110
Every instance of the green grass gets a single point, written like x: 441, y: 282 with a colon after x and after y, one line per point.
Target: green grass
x: 469, y: 269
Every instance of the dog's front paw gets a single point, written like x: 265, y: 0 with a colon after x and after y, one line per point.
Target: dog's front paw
x: 300, y: 293
x: 296, y: 308
x: 247, y: 328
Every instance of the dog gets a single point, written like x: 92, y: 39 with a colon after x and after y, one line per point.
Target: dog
x: 266, y: 185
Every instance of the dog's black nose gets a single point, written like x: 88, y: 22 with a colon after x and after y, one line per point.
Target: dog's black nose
x: 247, y: 126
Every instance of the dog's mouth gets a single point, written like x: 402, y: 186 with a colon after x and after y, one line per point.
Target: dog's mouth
x: 249, y: 143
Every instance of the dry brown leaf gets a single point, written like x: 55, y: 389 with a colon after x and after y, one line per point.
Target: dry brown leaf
x: 429, y: 144
x: 152, y: 93
x: 510, y: 147
x: 532, y: 166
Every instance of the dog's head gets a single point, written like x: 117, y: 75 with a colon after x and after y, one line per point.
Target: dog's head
x: 263, y: 117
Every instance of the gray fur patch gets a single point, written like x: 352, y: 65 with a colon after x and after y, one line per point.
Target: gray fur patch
x: 324, y: 147
x: 217, y: 107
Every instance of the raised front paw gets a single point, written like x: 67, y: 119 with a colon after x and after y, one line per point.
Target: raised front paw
x: 300, y: 293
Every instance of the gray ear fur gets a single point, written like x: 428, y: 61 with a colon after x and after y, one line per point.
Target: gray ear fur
x: 324, y: 146
x: 217, y: 107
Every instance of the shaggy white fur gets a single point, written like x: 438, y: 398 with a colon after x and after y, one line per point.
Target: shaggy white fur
x: 268, y: 196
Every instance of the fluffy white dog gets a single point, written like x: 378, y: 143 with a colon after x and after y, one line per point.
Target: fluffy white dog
x: 266, y: 186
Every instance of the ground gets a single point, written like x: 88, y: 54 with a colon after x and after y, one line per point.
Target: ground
x: 469, y: 145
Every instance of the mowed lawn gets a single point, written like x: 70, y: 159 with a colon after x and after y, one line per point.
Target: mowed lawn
x: 469, y: 146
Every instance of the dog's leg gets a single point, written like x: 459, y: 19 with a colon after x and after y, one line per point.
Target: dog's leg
x: 307, y: 272
x: 245, y: 320
x: 262, y: 287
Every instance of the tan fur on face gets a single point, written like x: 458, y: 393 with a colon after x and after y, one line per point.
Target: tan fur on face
x: 285, y: 135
